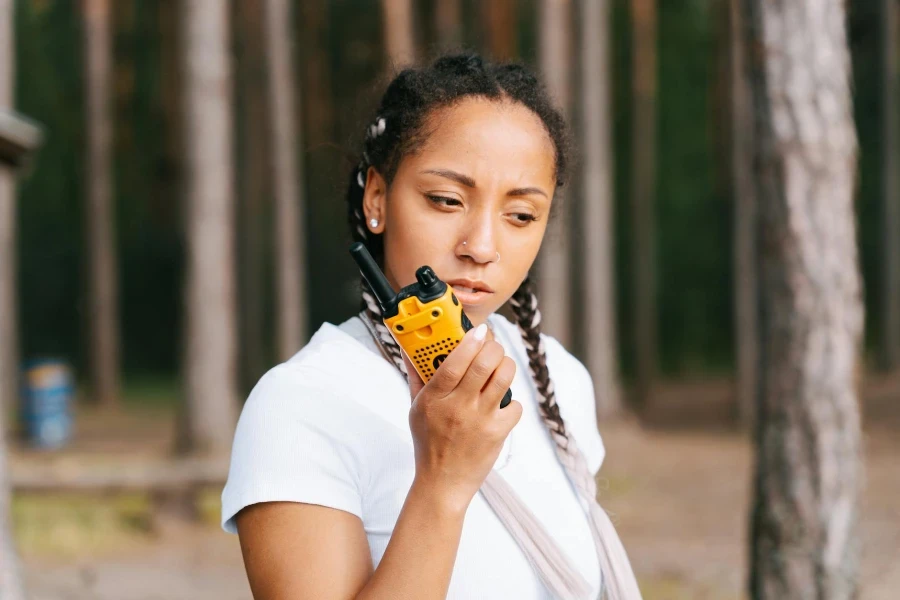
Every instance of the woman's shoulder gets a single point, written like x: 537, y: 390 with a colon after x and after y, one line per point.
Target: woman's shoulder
x: 302, y: 432
x: 561, y: 363
x: 333, y: 346
x: 335, y: 370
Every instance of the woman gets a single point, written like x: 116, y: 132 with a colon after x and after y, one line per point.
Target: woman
x: 338, y: 488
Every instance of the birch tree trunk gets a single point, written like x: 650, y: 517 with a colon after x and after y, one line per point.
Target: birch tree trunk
x: 890, y: 345
x: 103, y: 310
x: 643, y: 190
x: 210, y: 326
x: 805, y: 542
x: 597, y: 206
x: 744, y: 223
x: 290, y: 220
x: 448, y: 22
x: 397, y: 19
x: 11, y: 587
x: 554, y: 281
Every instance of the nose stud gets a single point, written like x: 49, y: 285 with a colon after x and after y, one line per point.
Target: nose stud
x: 495, y: 260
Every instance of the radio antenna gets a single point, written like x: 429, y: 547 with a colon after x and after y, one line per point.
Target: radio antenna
x: 384, y: 293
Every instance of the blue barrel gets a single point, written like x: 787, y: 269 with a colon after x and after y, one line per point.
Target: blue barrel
x: 47, y: 394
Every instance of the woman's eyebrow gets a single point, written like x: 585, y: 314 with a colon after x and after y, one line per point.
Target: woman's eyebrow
x: 469, y: 182
x: 526, y: 192
x: 457, y: 177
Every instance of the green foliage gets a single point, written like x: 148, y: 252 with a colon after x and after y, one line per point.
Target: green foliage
x: 693, y: 215
x: 693, y: 208
x: 49, y: 89
x: 864, y: 45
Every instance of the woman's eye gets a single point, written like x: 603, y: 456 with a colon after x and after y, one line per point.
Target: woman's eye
x: 524, y: 218
x: 443, y: 200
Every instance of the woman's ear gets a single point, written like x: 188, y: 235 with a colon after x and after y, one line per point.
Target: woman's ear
x: 375, y: 201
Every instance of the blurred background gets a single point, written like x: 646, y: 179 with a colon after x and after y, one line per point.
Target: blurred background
x: 118, y: 416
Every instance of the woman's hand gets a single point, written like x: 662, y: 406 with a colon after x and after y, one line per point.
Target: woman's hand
x: 457, y: 424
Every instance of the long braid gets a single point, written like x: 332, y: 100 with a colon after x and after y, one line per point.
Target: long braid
x: 613, y: 558
x: 528, y: 318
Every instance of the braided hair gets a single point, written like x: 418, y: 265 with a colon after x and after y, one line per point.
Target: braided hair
x: 399, y: 129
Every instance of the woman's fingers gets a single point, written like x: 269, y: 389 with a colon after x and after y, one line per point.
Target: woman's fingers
x: 452, y: 370
x: 499, y: 382
x: 508, y: 417
x: 481, y: 368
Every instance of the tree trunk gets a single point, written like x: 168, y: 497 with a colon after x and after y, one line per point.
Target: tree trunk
x: 805, y: 541
x: 173, y: 168
x: 890, y: 345
x: 254, y: 156
x: 10, y: 579
x: 103, y: 307
x: 171, y: 171
x: 397, y: 17
x: 210, y: 325
x: 318, y: 124
x: 448, y: 23
x: 9, y: 335
x: 643, y: 189
x: 554, y: 281
x: 744, y: 223
x: 500, y: 21
x: 11, y: 587
x: 290, y: 218
x: 597, y: 207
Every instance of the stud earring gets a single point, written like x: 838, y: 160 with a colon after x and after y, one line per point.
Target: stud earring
x: 373, y: 223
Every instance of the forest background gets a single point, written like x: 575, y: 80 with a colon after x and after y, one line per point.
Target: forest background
x: 341, y: 71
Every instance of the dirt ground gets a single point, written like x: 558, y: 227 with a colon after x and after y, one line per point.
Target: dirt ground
x: 677, y: 485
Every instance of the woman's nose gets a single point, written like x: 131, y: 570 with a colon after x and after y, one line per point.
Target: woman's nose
x: 478, y: 243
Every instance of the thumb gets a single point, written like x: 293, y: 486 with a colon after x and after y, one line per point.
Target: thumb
x: 415, y: 381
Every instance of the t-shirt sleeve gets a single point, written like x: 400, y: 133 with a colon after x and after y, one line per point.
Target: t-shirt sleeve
x: 295, y: 441
x: 578, y: 408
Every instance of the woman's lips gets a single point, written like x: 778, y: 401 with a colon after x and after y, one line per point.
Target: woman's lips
x: 470, y: 296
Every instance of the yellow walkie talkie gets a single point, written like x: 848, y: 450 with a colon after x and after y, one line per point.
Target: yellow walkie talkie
x: 425, y: 318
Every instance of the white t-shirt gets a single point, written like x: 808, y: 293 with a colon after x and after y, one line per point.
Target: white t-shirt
x: 330, y: 427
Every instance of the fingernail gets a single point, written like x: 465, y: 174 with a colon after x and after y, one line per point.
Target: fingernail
x: 480, y: 332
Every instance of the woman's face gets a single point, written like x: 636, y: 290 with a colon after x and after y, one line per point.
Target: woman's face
x: 472, y: 202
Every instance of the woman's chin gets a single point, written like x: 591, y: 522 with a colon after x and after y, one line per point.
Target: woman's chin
x: 477, y: 313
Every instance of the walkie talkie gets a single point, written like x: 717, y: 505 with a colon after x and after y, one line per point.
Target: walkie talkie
x: 426, y: 318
